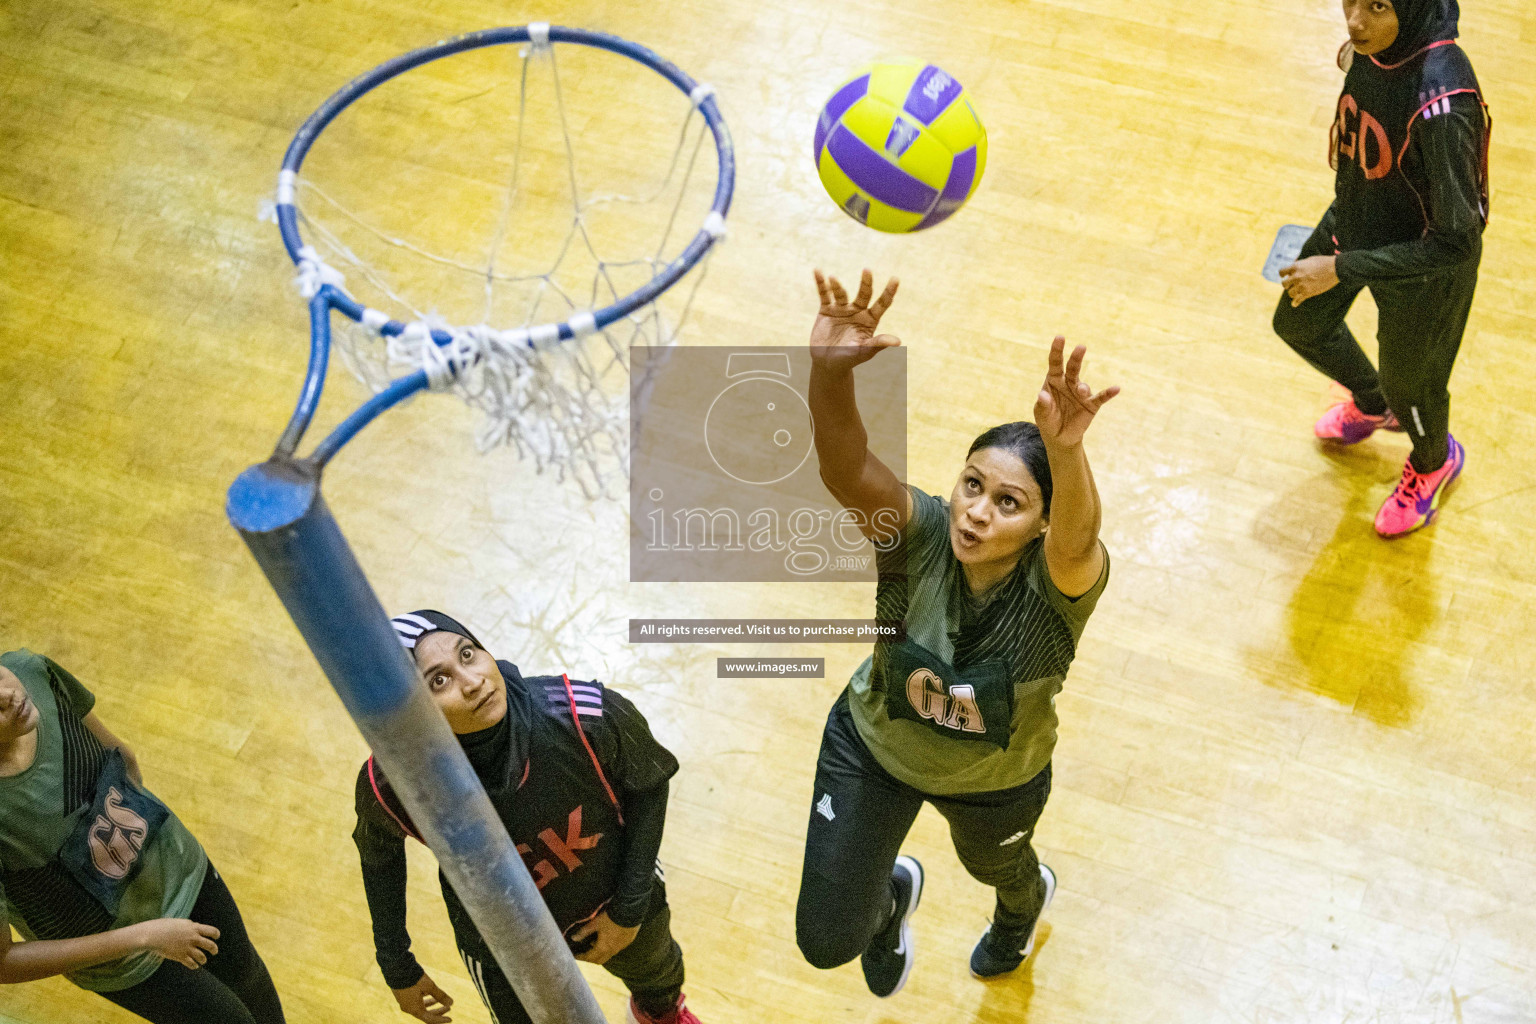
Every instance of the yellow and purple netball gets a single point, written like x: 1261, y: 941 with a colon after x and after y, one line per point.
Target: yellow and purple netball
x: 900, y: 147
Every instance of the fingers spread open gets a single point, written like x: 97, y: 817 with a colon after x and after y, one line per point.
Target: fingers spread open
x: 883, y: 303
x: 839, y: 296
x: 822, y: 291
x: 1057, y: 344
x: 866, y: 289
x: 1075, y: 363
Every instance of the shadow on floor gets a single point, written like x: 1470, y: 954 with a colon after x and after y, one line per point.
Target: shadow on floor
x: 1363, y: 603
x: 1008, y: 998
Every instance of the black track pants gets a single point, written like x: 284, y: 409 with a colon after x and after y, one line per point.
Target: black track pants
x: 233, y: 987
x: 651, y: 967
x: 860, y: 815
x: 1421, y: 320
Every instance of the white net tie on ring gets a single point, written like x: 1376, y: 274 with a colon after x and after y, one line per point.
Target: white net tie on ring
x: 314, y: 273
x: 560, y: 404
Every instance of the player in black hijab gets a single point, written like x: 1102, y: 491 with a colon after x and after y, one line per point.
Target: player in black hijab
x: 1410, y: 151
x: 576, y: 776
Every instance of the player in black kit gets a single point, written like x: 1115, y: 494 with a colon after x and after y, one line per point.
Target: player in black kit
x: 575, y: 775
x: 1410, y: 151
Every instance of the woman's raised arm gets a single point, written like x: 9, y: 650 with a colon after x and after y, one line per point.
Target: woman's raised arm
x: 842, y: 338
x: 1064, y: 409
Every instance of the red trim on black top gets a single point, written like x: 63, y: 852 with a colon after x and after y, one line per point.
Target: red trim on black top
x: 1487, y: 142
x: 1420, y: 111
x: 570, y: 698
x: 374, y: 782
x: 1482, y: 184
x: 1432, y: 46
x: 601, y: 907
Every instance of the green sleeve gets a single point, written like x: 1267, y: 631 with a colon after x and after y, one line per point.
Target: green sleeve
x: 1075, y: 610
x: 80, y: 700
x: 926, y: 532
x: 928, y: 529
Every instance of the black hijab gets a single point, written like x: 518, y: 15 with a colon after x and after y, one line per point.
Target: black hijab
x: 1419, y: 23
x: 412, y: 626
x: 499, y: 753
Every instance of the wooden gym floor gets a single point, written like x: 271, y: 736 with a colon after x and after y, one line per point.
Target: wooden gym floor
x: 1294, y: 782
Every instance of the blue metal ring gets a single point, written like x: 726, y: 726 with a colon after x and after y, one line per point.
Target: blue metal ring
x: 331, y: 297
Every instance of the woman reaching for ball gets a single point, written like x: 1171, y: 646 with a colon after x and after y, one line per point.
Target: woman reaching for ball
x: 995, y: 586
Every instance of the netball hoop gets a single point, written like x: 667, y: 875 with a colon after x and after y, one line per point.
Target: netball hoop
x: 544, y: 385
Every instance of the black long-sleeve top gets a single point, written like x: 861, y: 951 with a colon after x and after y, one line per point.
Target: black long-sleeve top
x: 1444, y: 157
x: 634, y: 763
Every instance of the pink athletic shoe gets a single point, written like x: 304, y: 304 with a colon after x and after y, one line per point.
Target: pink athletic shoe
x: 1346, y: 424
x: 680, y: 1014
x: 1418, y: 495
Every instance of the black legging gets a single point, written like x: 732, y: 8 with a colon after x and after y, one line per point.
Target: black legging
x: 1420, y: 323
x: 651, y: 966
x: 233, y: 987
x: 851, y: 846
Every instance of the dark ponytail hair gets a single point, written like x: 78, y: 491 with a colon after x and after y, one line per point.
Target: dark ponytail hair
x: 1021, y: 438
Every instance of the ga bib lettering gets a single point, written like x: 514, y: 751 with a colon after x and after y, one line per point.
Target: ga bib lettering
x: 971, y: 704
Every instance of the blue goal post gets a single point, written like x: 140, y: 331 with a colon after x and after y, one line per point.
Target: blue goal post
x: 279, y: 510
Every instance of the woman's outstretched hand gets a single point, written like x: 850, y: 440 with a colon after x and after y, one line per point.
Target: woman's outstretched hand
x: 1066, y: 405
x: 844, y: 333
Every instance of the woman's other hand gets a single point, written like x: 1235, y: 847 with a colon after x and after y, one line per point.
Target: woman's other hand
x: 1066, y: 405
x: 1309, y: 278
x: 425, y: 1001
x: 176, y: 938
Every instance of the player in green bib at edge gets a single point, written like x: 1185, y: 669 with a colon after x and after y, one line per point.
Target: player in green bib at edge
x: 994, y: 586
x: 105, y: 884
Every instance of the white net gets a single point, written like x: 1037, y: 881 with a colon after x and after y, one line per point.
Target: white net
x: 496, y: 193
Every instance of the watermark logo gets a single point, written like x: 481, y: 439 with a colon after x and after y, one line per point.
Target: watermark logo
x: 725, y: 483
